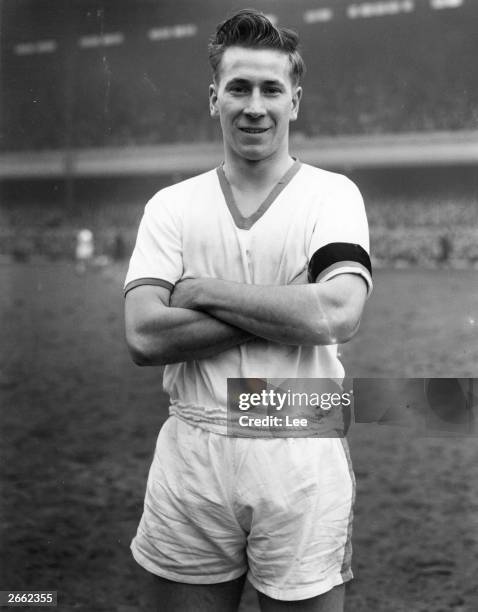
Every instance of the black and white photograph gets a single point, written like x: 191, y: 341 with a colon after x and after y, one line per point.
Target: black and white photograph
x: 239, y: 305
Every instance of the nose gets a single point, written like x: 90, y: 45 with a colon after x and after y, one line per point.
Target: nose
x: 255, y: 105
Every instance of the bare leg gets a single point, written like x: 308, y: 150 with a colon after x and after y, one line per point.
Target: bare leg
x: 332, y: 601
x: 162, y: 595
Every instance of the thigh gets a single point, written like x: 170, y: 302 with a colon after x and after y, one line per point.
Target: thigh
x: 162, y: 595
x: 301, y: 493
x: 188, y: 532
x: 332, y: 601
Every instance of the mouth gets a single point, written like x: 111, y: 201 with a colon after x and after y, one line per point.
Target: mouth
x: 253, y: 130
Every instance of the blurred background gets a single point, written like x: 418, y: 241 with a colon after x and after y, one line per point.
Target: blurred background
x: 102, y: 103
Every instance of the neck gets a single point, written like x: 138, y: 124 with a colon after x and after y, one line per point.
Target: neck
x: 241, y: 172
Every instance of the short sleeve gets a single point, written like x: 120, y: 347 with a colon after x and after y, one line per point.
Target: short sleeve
x: 340, y: 240
x: 157, y: 255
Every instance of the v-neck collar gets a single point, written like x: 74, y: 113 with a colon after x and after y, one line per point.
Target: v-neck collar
x: 247, y: 222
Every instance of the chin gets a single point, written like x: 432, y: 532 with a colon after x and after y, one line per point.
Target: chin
x: 254, y: 154
x: 255, y: 157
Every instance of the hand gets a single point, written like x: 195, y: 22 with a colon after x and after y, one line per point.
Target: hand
x: 185, y: 293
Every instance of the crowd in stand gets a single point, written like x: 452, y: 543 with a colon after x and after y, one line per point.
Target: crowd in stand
x: 350, y: 106
x: 408, y: 74
x: 412, y: 74
x: 403, y: 231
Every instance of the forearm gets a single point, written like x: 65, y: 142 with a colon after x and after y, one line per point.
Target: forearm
x: 279, y: 314
x: 164, y: 335
x: 293, y: 314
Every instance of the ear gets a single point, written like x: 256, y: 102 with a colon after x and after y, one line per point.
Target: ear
x: 296, y: 97
x: 213, y: 100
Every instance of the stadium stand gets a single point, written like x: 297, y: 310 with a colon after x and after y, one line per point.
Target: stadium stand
x: 84, y: 75
x: 133, y: 73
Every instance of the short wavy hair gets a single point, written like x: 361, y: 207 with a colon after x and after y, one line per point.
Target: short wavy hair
x: 252, y: 29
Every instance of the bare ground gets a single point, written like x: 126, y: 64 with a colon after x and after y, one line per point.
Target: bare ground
x: 79, y: 420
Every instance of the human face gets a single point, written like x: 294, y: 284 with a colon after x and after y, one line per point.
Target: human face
x: 255, y: 100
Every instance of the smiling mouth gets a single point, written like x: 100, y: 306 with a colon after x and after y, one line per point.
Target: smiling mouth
x: 250, y: 130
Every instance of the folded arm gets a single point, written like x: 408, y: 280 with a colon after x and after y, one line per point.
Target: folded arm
x: 309, y: 314
x: 158, y: 334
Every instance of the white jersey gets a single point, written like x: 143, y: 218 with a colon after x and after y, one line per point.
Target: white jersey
x: 310, y: 228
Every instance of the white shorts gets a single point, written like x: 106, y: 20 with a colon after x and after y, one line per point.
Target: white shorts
x: 217, y: 506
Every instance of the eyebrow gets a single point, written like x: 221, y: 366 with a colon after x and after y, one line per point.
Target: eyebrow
x: 240, y: 81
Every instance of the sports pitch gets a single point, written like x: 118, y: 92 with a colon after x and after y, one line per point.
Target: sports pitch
x: 79, y: 421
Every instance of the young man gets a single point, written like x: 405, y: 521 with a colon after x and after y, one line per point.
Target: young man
x: 255, y: 269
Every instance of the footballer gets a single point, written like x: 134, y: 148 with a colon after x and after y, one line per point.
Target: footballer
x: 258, y: 268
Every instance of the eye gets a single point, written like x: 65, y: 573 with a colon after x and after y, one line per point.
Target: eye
x: 237, y: 89
x: 272, y: 91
